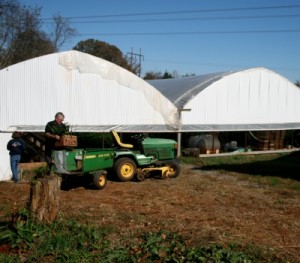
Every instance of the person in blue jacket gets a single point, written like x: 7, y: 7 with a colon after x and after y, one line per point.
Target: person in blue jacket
x: 16, y: 147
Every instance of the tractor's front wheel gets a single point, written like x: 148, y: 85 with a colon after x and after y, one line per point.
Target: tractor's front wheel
x: 125, y: 169
x: 100, y: 180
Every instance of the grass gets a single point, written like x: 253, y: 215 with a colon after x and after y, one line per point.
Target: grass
x: 275, y: 170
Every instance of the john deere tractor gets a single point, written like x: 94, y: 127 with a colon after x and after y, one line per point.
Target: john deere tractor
x: 144, y: 158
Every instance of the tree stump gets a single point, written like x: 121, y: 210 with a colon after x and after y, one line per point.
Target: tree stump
x: 44, y: 198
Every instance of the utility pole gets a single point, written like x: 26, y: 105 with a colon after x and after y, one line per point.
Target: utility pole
x: 133, y: 57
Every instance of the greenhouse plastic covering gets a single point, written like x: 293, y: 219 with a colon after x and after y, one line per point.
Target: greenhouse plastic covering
x: 253, y: 99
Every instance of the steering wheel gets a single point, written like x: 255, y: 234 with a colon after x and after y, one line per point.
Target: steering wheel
x: 138, y: 137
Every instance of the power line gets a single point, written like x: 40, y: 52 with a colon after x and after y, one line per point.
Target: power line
x: 182, y: 19
x: 184, y: 12
x: 188, y: 19
x: 210, y: 64
x: 194, y: 33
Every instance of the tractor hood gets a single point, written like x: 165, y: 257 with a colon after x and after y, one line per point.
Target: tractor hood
x: 162, y: 149
x: 154, y: 142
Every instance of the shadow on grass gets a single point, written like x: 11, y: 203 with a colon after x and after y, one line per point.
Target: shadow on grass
x: 74, y: 181
x: 86, y: 181
x: 286, y: 166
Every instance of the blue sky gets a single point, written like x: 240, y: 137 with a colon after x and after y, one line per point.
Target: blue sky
x: 190, y: 36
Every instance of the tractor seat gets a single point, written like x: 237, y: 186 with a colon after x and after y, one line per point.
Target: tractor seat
x: 118, y: 140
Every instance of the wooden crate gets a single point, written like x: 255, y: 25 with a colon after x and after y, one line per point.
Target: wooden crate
x: 67, y: 141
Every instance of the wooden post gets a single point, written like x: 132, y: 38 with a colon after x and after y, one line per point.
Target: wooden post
x: 213, y: 143
x: 44, y: 198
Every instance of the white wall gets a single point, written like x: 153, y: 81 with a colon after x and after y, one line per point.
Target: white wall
x: 5, y: 171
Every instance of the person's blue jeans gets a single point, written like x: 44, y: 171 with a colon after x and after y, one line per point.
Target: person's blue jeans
x: 14, y: 161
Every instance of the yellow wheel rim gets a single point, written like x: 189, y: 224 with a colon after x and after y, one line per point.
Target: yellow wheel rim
x: 127, y: 170
x: 171, y: 171
x: 102, y: 180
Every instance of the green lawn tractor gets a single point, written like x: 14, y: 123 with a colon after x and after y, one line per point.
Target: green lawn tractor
x: 144, y: 158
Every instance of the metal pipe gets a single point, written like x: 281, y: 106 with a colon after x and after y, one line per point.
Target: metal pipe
x: 178, y: 144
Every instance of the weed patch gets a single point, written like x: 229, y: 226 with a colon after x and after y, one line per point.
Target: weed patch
x: 73, y: 242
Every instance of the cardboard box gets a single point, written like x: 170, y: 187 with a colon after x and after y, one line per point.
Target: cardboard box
x: 67, y: 141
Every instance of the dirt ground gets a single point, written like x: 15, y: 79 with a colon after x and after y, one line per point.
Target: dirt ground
x: 205, y: 207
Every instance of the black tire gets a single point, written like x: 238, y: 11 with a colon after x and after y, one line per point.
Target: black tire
x: 99, y: 180
x: 125, y: 169
x: 140, y: 176
x: 174, y: 169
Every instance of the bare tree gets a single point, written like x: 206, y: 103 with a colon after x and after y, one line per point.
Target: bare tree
x: 62, y: 32
x: 8, y: 23
x: 21, y: 36
x: 29, y: 44
x: 14, y: 21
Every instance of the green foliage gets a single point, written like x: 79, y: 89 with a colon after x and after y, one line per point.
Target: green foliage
x: 70, y: 241
x: 167, y: 75
x: 150, y: 75
x: 170, y: 247
x: 21, y: 234
x: 9, y: 258
x: 62, y: 241
x: 104, y: 50
x: 74, y: 242
x: 40, y: 172
x: 163, y: 245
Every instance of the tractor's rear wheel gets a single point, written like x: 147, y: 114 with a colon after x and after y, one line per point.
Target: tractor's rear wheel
x: 100, y: 180
x: 125, y: 169
x: 174, y: 169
